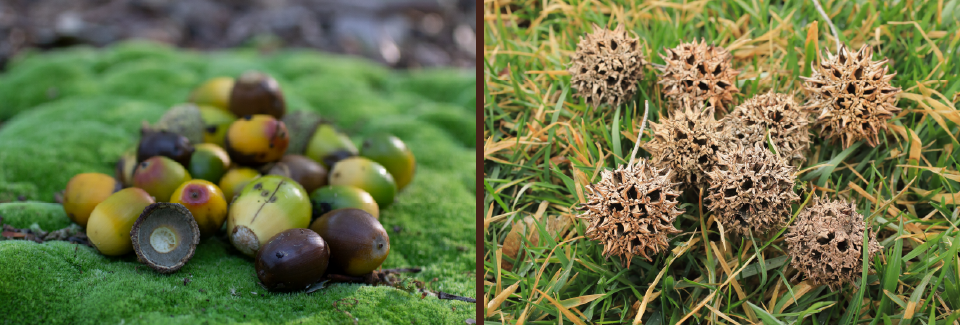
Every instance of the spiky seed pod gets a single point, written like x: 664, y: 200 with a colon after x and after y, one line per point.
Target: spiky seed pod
x: 700, y: 73
x: 852, y: 96
x: 631, y: 211
x: 751, y: 190
x: 607, y: 66
x: 688, y: 143
x: 826, y: 242
x: 777, y: 114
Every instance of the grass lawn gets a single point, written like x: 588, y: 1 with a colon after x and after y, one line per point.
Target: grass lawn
x: 542, y: 145
x: 77, y: 110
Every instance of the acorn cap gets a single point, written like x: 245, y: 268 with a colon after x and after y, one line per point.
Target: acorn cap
x: 852, y: 96
x: 699, y: 73
x: 776, y: 114
x: 607, y: 66
x: 631, y: 211
x: 165, y: 236
x: 826, y: 242
x: 688, y: 143
x: 751, y: 190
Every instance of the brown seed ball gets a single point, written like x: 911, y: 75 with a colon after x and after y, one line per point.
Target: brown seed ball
x: 358, y: 242
x: 852, y: 96
x: 777, y: 115
x: 688, y: 143
x: 256, y: 140
x: 84, y: 192
x: 699, y: 73
x: 257, y: 93
x: 826, y: 242
x: 292, y: 260
x: 309, y: 173
x: 606, y: 66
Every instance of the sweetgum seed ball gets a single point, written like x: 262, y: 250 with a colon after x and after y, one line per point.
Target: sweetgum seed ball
x: 292, y: 260
x: 209, y: 162
x: 164, y: 143
x: 358, y: 243
x: 205, y: 201
x: 84, y: 192
x: 257, y: 93
x: 329, y: 198
x: 266, y: 207
x: 366, y: 175
x: 111, y: 221
x: 393, y: 154
x: 254, y: 140
x: 160, y: 176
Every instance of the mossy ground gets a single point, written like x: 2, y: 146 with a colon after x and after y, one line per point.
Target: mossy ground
x: 77, y: 110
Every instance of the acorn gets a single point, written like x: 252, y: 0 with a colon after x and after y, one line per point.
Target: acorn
x: 125, y: 166
x: 358, y: 243
x: 160, y: 176
x: 111, y: 221
x: 235, y: 179
x: 216, y: 122
x: 205, y: 202
x: 256, y: 140
x: 214, y: 92
x: 257, y: 93
x: 292, y: 260
x: 329, y: 198
x: 393, y: 154
x: 366, y: 175
x: 266, y: 207
x: 163, y: 143
x: 165, y: 236
x: 84, y: 192
x: 209, y: 162
x: 183, y: 119
x: 310, y: 174
x: 301, y: 125
x: 328, y: 146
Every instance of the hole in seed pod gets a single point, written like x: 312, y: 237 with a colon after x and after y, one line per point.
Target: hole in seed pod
x: 619, y: 228
x: 611, y: 80
x: 690, y: 60
x: 703, y: 86
x: 723, y: 84
x: 700, y: 142
x: 836, y: 73
x: 616, y: 206
x: 703, y: 70
x: 857, y: 74
x: 714, y: 148
x: 816, y: 255
x: 702, y: 160
x: 865, y: 126
x: 687, y: 83
x: 825, y: 240
x: 583, y: 70
x: 717, y: 69
x: 613, y: 44
x: 842, y: 245
x: 868, y: 91
x: 851, y: 88
x: 829, y: 268
x: 843, y: 58
x: 730, y: 192
x: 654, y: 196
x: 681, y: 135
x: 846, y: 270
x: 746, y: 185
x: 888, y: 90
x: 634, y: 242
x: 690, y: 125
x: 840, y: 101
x: 632, y: 193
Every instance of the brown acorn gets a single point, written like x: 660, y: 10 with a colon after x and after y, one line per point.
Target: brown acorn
x: 292, y: 260
x: 257, y: 93
x: 310, y: 174
x: 358, y: 242
x: 163, y: 143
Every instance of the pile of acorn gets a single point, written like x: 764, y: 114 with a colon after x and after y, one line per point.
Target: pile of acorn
x: 288, y: 189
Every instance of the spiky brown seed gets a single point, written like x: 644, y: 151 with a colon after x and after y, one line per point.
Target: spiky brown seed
x: 751, y: 190
x: 699, y: 73
x: 631, y: 211
x: 826, y: 242
x: 607, y: 66
x: 852, y: 96
x: 777, y: 114
x: 688, y: 143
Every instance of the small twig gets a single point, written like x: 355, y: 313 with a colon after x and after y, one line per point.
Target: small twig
x: 444, y: 295
x: 403, y: 270
x: 829, y: 22
x: 643, y: 123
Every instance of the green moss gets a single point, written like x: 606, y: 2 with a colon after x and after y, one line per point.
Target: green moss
x: 57, y: 282
x: 456, y: 86
x: 21, y: 89
x: 49, y: 216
